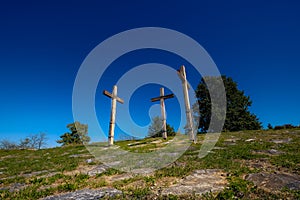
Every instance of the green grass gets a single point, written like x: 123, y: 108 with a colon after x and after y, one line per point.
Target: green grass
x: 30, y: 167
x: 18, y: 162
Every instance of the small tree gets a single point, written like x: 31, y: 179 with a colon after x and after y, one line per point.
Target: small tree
x: 6, y: 144
x: 33, y: 141
x: 41, y: 140
x: 170, y: 130
x: 78, y: 134
x: 155, y: 129
x: 24, y: 143
x: 270, y: 127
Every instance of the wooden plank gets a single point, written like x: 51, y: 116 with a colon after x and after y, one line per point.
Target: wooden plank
x: 114, y: 99
x: 163, y: 114
x: 189, y: 119
x: 182, y: 75
x: 155, y: 99
x: 168, y: 96
x: 162, y: 97
x: 106, y: 93
x: 119, y: 100
x: 112, y: 117
x: 179, y: 73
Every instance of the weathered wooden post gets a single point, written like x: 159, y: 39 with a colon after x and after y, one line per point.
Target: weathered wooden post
x: 161, y: 98
x: 114, y: 99
x: 189, y: 120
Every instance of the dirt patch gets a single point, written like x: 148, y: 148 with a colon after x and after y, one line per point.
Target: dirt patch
x: 88, y: 169
x: 135, y: 184
x: 156, y: 142
x: 119, y: 177
x: 97, y: 170
x: 166, y: 182
x: 263, y: 164
x: 8, y: 156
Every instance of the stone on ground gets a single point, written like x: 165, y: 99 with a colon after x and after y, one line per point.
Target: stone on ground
x: 97, y: 170
x: 86, y: 194
x: 276, y: 181
x: 282, y: 141
x: 270, y: 152
x: 199, y: 182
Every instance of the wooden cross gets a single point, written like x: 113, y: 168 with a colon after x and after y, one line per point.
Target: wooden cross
x: 189, y: 121
x: 114, y: 99
x: 161, y: 98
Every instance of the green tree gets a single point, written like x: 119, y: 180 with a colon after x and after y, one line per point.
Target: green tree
x: 170, y: 130
x: 238, y: 116
x: 155, y: 129
x: 78, y: 134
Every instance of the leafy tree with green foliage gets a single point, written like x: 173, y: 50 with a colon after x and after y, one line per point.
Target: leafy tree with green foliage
x: 155, y: 129
x: 78, y: 134
x: 238, y: 116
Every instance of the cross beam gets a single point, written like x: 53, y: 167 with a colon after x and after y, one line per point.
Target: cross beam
x: 114, y: 99
x: 106, y: 93
x: 189, y: 120
x: 161, y: 98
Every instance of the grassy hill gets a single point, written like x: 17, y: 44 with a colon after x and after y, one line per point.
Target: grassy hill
x: 243, y: 165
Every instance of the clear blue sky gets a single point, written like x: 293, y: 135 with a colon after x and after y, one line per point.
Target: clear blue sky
x: 43, y: 43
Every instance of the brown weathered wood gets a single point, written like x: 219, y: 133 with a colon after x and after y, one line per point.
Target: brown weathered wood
x: 162, y: 98
x: 182, y: 75
x: 189, y: 119
x: 163, y: 114
x: 114, y: 99
x: 106, y: 93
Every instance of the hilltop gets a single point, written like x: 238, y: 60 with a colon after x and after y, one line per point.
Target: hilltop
x: 243, y: 165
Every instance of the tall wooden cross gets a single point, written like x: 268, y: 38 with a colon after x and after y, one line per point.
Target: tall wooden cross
x: 162, y: 98
x: 189, y: 120
x: 114, y: 99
